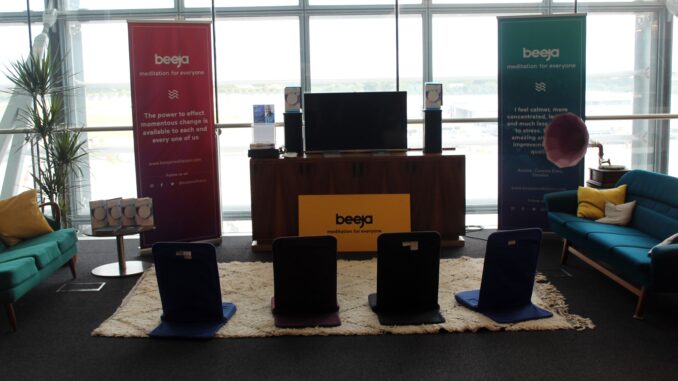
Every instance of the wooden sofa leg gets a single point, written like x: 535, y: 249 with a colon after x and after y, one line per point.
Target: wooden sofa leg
x: 71, y: 264
x: 640, y: 306
x: 565, y: 253
x: 11, y: 315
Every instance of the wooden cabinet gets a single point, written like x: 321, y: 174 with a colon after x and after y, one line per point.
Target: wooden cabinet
x: 604, y: 178
x: 436, y: 184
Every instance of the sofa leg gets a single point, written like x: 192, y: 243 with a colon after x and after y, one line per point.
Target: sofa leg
x: 71, y: 264
x: 640, y: 306
x: 11, y: 315
x: 565, y: 253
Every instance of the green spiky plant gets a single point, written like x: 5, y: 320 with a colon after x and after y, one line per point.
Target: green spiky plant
x: 61, y: 154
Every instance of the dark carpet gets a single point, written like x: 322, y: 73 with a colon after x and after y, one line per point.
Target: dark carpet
x: 53, y: 339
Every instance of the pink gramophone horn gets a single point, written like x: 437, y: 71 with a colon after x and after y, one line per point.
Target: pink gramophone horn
x: 566, y: 139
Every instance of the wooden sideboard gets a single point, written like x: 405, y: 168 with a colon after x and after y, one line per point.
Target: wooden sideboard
x: 435, y: 182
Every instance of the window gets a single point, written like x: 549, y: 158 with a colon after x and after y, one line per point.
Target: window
x: 20, y: 6
x: 618, y: 82
x: 466, y: 67
x: 238, y: 3
x: 118, y: 4
x: 105, y: 72
x: 352, y: 53
x: 254, y: 64
x: 349, y: 45
x: 256, y: 58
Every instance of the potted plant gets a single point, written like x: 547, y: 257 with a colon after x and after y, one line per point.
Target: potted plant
x: 59, y: 152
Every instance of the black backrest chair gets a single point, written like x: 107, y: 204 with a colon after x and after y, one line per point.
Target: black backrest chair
x: 510, y: 266
x: 408, y: 266
x: 305, y: 281
x: 190, y: 291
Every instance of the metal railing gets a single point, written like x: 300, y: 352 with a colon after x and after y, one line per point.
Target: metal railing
x: 220, y: 126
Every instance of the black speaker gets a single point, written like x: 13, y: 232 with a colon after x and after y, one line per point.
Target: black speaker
x: 433, y: 135
x: 293, y: 136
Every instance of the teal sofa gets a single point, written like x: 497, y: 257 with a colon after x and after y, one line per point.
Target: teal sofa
x: 622, y: 252
x: 27, y: 263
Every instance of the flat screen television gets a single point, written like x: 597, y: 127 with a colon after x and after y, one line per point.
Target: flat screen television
x: 367, y: 121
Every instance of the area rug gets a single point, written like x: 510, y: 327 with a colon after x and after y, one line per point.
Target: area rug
x: 250, y: 286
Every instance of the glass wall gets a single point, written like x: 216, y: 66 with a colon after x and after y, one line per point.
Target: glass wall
x: 331, y: 45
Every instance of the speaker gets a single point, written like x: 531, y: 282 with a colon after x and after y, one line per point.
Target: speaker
x: 293, y: 99
x: 433, y: 135
x: 293, y: 135
x: 433, y: 95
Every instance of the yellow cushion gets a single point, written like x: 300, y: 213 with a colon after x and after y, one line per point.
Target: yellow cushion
x: 20, y: 218
x: 592, y: 201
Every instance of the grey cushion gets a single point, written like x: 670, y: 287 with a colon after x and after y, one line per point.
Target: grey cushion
x: 618, y: 214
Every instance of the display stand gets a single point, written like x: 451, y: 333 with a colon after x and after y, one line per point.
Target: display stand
x: 123, y: 267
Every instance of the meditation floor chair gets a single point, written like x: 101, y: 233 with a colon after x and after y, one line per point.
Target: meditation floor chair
x: 408, y: 267
x: 190, y: 291
x: 32, y: 247
x: 509, y: 268
x: 305, y: 282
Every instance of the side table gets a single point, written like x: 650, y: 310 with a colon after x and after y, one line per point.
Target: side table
x: 123, y: 267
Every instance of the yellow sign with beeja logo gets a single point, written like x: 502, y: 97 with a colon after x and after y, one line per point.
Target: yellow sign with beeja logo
x: 356, y: 220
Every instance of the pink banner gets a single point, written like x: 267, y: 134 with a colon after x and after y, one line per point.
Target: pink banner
x: 174, y: 136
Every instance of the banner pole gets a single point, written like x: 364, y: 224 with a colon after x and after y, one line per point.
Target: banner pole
x: 397, y: 46
x: 214, y: 59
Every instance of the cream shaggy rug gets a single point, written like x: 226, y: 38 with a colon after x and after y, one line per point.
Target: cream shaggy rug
x: 250, y: 286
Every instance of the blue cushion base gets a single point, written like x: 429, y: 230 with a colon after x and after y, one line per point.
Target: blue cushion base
x: 470, y: 300
x: 193, y: 330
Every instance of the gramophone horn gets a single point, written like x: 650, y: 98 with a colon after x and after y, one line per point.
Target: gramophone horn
x: 566, y: 139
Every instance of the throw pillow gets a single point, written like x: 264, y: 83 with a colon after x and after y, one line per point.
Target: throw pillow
x: 20, y: 218
x: 668, y: 241
x: 591, y: 201
x: 618, y: 214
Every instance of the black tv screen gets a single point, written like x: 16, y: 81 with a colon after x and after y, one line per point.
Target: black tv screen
x: 370, y: 121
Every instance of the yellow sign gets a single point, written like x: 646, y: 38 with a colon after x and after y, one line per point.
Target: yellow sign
x: 356, y: 220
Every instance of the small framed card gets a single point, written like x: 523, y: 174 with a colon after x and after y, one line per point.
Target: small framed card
x: 263, y: 114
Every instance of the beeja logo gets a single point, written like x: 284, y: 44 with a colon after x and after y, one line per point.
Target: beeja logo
x: 348, y: 220
x: 171, y: 60
x: 541, y: 53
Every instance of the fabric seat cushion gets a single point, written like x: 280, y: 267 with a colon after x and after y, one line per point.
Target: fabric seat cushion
x: 632, y: 263
x: 586, y: 228
x: 612, y: 240
x: 563, y: 218
x: 623, y: 254
x: 43, y: 254
x: 15, y: 272
x: 65, y: 238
